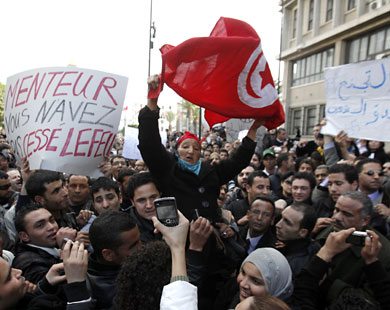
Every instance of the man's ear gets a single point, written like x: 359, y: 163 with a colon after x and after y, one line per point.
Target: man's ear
x: 303, y: 233
x: 355, y: 185
x: 366, y: 220
x: 108, y: 255
x: 24, y: 236
x: 40, y: 200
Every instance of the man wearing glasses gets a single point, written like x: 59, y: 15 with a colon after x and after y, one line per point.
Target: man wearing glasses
x: 370, y: 181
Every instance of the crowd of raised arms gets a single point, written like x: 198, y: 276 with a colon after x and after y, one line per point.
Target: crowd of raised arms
x: 282, y: 224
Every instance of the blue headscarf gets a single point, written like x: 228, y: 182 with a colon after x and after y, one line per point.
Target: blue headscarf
x: 195, y: 168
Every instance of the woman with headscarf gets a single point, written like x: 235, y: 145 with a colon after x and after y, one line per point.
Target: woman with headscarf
x: 193, y: 182
x: 265, y: 272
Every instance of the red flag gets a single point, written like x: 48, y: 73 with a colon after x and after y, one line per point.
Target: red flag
x: 226, y: 73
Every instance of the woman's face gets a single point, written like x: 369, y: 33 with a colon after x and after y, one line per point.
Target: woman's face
x: 255, y: 161
x: 251, y: 282
x: 189, y: 151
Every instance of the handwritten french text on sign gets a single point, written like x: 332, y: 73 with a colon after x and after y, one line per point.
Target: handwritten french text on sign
x: 358, y: 100
x: 63, y: 119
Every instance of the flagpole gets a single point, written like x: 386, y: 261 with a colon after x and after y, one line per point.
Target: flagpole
x: 150, y: 34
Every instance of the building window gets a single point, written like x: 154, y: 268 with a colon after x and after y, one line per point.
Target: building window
x: 296, y: 120
x: 329, y: 10
x: 311, y: 13
x: 295, y: 17
x: 351, y: 4
x: 322, y: 112
x: 310, y: 120
x: 311, y: 68
x: 370, y: 46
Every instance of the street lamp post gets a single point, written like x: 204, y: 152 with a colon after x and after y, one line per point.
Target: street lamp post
x: 151, y: 28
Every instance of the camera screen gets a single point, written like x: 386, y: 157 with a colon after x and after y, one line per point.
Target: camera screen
x: 166, y: 211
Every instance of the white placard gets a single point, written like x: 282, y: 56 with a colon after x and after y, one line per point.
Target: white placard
x: 63, y: 118
x: 358, y: 100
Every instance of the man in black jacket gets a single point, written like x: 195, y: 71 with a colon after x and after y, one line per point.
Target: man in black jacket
x: 114, y: 236
x: 293, y: 230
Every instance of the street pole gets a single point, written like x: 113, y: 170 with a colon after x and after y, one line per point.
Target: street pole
x: 151, y: 26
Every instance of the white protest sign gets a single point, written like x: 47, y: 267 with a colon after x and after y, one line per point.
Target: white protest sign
x: 63, y: 118
x: 130, y: 145
x: 358, y: 100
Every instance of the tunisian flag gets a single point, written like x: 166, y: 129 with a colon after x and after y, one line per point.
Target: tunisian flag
x: 225, y: 73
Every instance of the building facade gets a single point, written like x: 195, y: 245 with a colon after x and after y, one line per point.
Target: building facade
x: 323, y: 33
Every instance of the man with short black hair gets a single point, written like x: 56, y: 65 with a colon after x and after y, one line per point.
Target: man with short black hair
x: 293, y: 230
x: 143, y: 189
x: 79, y: 193
x: 258, y: 232
x: 285, y: 163
x: 105, y: 195
x: 39, y: 237
x: 123, y: 180
x: 114, y: 236
x: 303, y: 184
x: 118, y: 162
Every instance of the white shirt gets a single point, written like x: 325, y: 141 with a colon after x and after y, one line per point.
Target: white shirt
x: 179, y: 295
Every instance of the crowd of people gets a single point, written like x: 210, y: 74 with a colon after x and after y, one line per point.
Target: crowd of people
x: 288, y: 224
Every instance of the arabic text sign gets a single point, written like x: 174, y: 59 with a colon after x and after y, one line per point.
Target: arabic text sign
x: 63, y: 119
x: 358, y: 100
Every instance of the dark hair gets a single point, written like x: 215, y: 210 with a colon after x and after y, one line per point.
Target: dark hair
x: 36, y: 183
x: 105, y: 231
x: 317, y: 156
x: 21, y: 214
x: 281, y: 158
x: 349, y: 171
x: 223, y: 151
x: 351, y: 299
x: 106, y: 184
x: 142, y: 277
x: 255, y: 174
x: 286, y: 175
x: 117, y: 156
x: 4, y: 146
x: 140, y: 179
x: 124, y: 173
x: 280, y: 129
x: 306, y: 176
x: 309, y: 215
x: 307, y: 161
x: 265, y: 199
x: 361, y: 163
x: 79, y: 175
x: 4, y: 175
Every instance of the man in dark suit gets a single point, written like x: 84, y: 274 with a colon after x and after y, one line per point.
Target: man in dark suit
x: 261, y: 216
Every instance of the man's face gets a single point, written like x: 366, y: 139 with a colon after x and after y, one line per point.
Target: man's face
x: 288, y: 226
x: 269, y: 162
x: 78, y: 190
x: 40, y: 228
x: 316, y: 131
x: 130, y: 243
x: 338, y: 185
x: 117, y: 165
x: 139, y: 166
x: 143, y: 200
x: 5, y: 188
x: 16, y: 180
x: 123, y: 186
x: 242, y: 178
x: 11, y: 285
x: 206, y: 155
x: 346, y: 214
x: 386, y: 169
x: 370, y: 178
x: 321, y: 174
x: 287, y: 186
x: 282, y: 135
x: 55, y: 196
x: 260, y: 217
x: 224, y: 155
x: 260, y: 186
x: 4, y: 163
x: 291, y: 163
x: 305, y: 168
x: 105, y: 200
x: 301, y: 190
x: 228, y: 146
x: 203, y: 145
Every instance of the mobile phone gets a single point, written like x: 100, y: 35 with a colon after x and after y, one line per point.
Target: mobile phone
x: 357, y: 238
x: 166, y: 210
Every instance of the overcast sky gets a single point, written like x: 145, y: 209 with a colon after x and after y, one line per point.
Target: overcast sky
x: 113, y: 36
